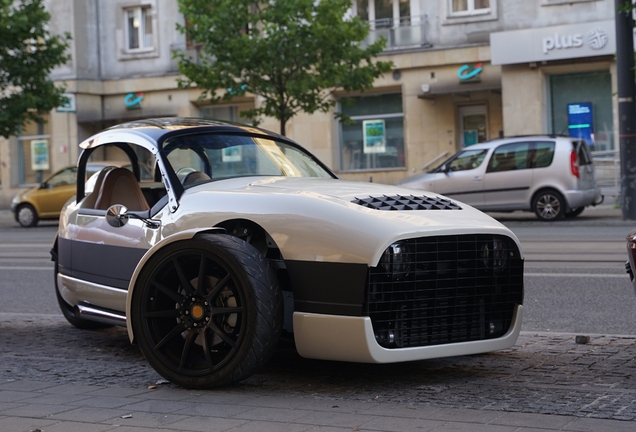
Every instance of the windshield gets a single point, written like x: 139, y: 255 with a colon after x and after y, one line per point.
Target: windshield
x: 213, y: 156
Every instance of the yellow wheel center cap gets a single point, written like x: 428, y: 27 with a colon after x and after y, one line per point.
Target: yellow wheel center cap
x: 196, y: 312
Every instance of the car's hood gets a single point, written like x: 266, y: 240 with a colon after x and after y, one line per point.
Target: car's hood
x: 326, y: 213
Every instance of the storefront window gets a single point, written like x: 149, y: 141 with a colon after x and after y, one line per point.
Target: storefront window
x: 231, y: 113
x: 374, y: 140
x: 34, y: 157
x: 581, y: 106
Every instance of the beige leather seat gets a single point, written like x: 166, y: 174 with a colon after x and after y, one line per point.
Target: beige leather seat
x: 91, y: 197
x: 195, y: 177
x: 121, y: 187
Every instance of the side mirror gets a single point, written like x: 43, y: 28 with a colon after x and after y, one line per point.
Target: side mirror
x: 116, y: 216
x: 445, y: 168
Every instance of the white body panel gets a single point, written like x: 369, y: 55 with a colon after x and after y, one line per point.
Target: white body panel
x: 345, y: 338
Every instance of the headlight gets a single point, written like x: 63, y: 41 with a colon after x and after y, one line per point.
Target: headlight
x: 494, y: 255
x: 396, y: 260
x: 16, y: 199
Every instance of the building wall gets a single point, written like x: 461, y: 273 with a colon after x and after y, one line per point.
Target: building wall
x: 101, y: 74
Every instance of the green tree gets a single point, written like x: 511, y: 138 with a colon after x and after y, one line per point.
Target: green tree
x: 28, y: 53
x: 291, y: 53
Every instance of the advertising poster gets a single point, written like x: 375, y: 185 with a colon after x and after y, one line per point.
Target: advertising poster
x: 40, y: 155
x: 580, y: 121
x: 374, y: 137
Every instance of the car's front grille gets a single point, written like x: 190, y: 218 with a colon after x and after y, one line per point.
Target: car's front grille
x: 403, y: 202
x: 444, y: 289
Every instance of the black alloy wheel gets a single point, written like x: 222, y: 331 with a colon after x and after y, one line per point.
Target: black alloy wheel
x: 549, y: 205
x: 207, y: 312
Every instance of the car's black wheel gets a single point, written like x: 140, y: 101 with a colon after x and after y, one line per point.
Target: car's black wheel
x: 207, y: 312
x: 574, y: 212
x: 70, y: 313
x: 27, y: 216
x: 549, y: 205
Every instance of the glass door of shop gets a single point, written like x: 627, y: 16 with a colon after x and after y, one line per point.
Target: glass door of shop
x: 473, y: 123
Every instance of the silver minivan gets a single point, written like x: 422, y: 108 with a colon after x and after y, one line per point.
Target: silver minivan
x: 550, y: 175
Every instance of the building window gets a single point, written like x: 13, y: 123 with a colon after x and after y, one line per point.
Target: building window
x: 34, y: 152
x: 231, y: 113
x: 374, y: 140
x: 469, y: 7
x: 139, y: 34
x: 384, y: 13
x: 466, y: 11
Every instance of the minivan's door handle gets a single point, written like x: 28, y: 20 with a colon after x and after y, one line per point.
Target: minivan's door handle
x: 477, y: 178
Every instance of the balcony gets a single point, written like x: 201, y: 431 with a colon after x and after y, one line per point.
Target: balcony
x: 405, y: 32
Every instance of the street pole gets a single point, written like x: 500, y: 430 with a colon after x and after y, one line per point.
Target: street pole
x: 626, y: 107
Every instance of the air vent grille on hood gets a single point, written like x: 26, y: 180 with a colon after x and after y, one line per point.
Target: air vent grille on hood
x: 399, y: 202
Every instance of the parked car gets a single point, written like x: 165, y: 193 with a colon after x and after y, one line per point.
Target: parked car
x: 553, y: 176
x: 46, y: 200
x: 243, y: 236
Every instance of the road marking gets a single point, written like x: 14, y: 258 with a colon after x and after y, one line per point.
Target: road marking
x: 587, y: 275
x: 25, y: 245
x: 25, y: 268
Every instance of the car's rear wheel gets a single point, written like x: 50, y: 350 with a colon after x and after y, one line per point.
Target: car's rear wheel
x: 549, y: 205
x: 574, y: 212
x: 27, y: 216
x: 207, y: 312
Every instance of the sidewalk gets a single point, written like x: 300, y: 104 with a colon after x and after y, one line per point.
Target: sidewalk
x: 56, y: 378
x: 48, y: 407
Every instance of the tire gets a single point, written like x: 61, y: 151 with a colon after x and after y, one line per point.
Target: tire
x: 70, y: 313
x: 27, y: 216
x: 548, y: 205
x: 209, y: 334
x: 574, y: 212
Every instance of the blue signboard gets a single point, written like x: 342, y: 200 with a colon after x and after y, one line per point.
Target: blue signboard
x: 580, y: 121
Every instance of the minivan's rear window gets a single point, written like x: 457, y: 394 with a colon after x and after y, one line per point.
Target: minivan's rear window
x: 543, y: 154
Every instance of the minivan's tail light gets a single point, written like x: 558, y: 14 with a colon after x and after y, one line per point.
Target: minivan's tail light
x: 574, y: 167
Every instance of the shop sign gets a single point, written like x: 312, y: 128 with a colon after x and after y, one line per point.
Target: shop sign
x: 580, y: 121
x: 40, y: 155
x: 133, y: 100
x: 69, y: 106
x: 374, y: 136
x: 553, y: 43
x: 470, y: 73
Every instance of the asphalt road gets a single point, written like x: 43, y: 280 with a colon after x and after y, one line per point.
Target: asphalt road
x: 575, y: 278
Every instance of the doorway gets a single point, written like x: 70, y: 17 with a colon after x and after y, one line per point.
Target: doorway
x: 473, y: 125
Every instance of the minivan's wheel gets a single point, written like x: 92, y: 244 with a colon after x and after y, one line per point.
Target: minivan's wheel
x: 70, y: 312
x: 574, y: 212
x: 548, y: 205
x: 207, y: 311
x: 27, y: 217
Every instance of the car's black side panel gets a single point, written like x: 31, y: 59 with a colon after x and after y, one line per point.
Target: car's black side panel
x: 98, y: 263
x: 327, y: 288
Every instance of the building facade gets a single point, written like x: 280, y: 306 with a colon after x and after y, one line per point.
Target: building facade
x: 465, y: 71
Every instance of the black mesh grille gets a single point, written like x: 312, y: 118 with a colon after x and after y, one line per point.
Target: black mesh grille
x: 446, y: 289
x: 400, y: 202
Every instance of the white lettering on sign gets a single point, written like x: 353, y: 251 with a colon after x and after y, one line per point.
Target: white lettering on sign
x: 562, y: 42
x: 578, y: 109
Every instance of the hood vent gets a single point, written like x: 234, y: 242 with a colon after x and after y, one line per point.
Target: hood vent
x: 399, y: 202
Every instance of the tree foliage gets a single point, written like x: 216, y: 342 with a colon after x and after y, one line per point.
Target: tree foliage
x: 28, y: 53
x: 291, y: 53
